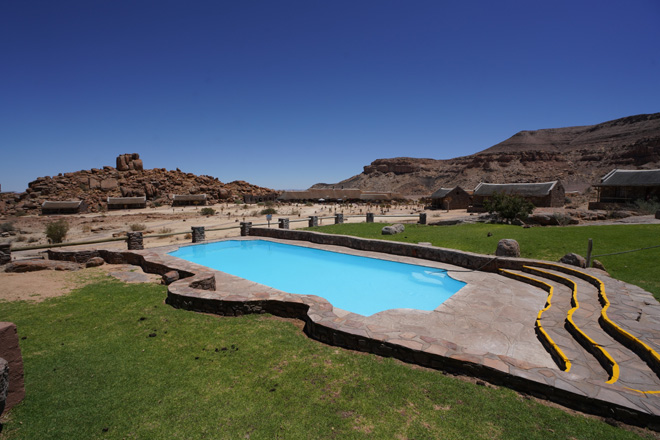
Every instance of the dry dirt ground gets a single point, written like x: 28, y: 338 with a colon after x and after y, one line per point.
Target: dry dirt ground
x: 39, y: 286
x: 30, y: 230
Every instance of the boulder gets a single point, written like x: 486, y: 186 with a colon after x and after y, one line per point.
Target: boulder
x: 598, y: 265
x: 126, y: 162
x: 170, y: 277
x: 36, y: 265
x: 574, y: 260
x: 95, y: 262
x: 394, y: 229
x: 508, y: 247
x: 108, y: 184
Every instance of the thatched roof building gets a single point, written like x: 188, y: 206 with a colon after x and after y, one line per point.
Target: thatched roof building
x: 127, y: 202
x: 627, y: 186
x: 188, y: 199
x: 62, y: 207
x: 545, y: 194
x: 450, y: 198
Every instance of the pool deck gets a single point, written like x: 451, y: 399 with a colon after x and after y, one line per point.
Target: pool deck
x: 487, y: 329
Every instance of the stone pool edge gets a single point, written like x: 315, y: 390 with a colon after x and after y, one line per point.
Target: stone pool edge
x: 197, y: 291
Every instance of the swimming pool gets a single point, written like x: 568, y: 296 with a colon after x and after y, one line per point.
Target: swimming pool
x: 357, y: 284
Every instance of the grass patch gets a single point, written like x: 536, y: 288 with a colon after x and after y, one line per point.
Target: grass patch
x: 112, y: 361
x: 549, y: 243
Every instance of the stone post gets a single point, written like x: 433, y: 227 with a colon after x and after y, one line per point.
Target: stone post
x: 422, y: 218
x: 283, y: 223
x: 339, y: 219
x: 134, y: 241
x: 198, y: 234
x: 5, y: 253
x: 313, y: 220
x: 370, y: 217
x: 245, y: 228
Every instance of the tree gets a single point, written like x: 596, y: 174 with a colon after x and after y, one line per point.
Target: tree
x: 509, y: 207
x: 56, y: 231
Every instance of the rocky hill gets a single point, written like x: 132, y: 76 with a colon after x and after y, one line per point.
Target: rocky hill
x: 127, y: 179
x: 578, y: 156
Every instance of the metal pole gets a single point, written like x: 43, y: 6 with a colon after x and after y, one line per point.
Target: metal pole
x: 589, y: 248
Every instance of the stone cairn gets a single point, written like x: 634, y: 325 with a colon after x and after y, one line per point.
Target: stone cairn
x: 198, y: 234
x: 134, y: 240
x: 422, y: 218
x: 313, y: 220
x: 370, y: 217
x: 283, y: 223
x: 339, y: 219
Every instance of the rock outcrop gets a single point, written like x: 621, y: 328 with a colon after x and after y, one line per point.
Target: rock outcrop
x: 579, y: 156
x: 126, y: 162
x: 129, y: 179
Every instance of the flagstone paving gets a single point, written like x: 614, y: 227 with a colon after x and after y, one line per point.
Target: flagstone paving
x: 487, y: 329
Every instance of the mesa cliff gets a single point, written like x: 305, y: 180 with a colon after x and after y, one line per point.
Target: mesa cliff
x: 127, y: 179
x: 579, y: 156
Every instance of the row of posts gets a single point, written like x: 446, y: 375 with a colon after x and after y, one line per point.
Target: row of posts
x: 135, y: 239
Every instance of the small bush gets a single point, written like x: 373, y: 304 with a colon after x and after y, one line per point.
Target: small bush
x: 6, y: 227
x: 165, y: 230
x: 268, y: 211
x: 508, y: 207
x: 207, y: 211
x: 136, y: 227
x: 56, y: 231
x: 188, y: 236
x: 647, y: 207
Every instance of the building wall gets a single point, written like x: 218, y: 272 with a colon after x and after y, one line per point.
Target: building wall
x: 456, y: 199
x: 554, y: 199
x: 627, y: 194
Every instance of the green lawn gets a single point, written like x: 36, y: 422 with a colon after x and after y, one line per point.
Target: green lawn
x: 112, y: 361
x: 549, y: 243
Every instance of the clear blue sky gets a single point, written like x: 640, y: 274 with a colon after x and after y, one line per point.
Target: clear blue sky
x: 286, y: 94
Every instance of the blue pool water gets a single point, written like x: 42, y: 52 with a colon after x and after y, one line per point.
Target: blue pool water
x: 358, y: 284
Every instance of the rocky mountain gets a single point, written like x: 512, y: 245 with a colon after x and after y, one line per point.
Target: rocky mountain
x: 127, y: 179
x: 578, y: 156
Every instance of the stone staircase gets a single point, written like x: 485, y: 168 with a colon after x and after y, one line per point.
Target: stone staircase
x: 590, y: 336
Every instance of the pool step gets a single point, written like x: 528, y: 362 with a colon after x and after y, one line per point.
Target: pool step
x: 551, y: 330
x: 575, y: 313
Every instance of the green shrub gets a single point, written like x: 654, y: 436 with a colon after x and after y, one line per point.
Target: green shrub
x: 268, y: 211
x: 135, y: 227
x: 207, y: 211
x: 508, y: 207
x: 647, y: 206
x: 56, y: 231
x: 6, y: 227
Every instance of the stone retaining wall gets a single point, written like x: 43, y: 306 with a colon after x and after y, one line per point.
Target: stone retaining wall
x: 454, y: 257
x: 196, y: 291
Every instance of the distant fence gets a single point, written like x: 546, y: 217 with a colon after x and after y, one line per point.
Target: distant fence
x: 282, y: 223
